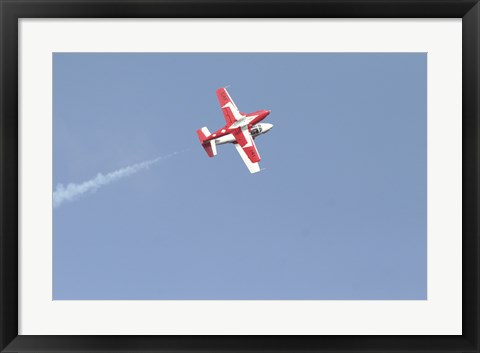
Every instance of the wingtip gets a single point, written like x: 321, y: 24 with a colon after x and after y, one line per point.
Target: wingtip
x: 222, y: 88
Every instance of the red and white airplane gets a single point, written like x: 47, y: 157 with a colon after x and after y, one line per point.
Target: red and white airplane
x: 241, y: 129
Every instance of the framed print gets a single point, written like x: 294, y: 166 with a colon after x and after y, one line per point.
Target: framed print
x: 231, y: 176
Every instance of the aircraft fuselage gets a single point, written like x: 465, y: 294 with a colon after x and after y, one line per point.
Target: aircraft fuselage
x: 251, y: 119
x: 257, y: 130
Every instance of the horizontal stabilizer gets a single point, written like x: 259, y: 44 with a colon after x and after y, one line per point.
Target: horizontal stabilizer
x: 214, y: 147
x: 209, y: 146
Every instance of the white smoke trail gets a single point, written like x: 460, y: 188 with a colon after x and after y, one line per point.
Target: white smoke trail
x: 73, y: 191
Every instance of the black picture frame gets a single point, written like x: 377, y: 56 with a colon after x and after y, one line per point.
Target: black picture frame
x: 12, y: 10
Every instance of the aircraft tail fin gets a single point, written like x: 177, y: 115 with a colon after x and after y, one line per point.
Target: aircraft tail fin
x: 203, y: 134
x: 209, y: 146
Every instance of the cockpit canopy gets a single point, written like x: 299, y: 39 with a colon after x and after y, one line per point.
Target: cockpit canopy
x: 256, y: 129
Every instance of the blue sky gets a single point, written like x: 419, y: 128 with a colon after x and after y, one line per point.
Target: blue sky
x: 339, y: 212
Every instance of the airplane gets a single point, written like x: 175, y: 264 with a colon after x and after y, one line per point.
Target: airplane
x: 241, y: 130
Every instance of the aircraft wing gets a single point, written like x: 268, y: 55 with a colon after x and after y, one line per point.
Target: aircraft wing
x: 247, y: 149
x: 229, y: 109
